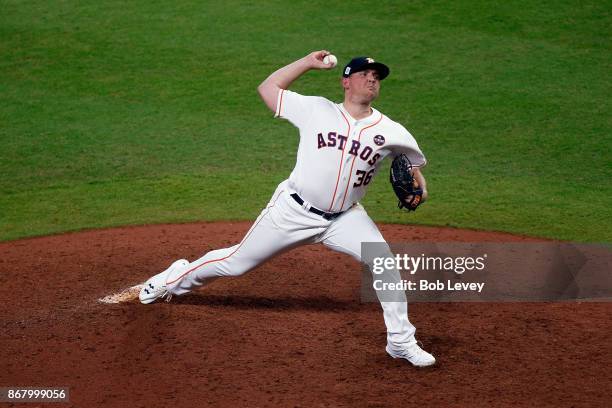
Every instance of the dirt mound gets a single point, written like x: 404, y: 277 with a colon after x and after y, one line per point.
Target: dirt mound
x: 290, y: 333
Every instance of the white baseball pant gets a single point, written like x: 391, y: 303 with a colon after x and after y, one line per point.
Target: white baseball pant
x: 283, y: 225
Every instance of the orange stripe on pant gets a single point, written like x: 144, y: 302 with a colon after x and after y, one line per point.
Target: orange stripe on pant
x: 248, y: 234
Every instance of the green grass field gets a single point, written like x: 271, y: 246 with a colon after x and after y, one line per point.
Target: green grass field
x: 115, y: 113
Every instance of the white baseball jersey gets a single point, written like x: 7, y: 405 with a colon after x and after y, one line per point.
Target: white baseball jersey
x: 336, y: 160
x: 338, y: 155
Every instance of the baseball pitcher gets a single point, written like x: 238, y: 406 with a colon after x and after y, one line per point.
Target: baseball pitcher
x: 341, y: 148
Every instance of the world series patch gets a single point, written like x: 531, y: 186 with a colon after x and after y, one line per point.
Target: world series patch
x: 379, y: 140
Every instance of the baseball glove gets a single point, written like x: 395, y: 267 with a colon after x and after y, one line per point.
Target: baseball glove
x: 404, y: 185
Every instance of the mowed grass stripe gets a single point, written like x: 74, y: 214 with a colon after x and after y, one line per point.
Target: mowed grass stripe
x: 99, y: 102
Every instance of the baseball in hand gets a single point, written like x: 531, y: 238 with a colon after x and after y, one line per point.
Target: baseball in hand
x: 330, y: 60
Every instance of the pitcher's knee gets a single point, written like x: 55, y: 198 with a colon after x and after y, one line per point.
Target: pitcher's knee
x: 375, y: 253
x: 234, y: 268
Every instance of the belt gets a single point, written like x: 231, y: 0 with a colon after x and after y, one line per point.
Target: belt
x: 328, y: 216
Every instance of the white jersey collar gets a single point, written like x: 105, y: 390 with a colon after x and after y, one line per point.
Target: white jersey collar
x: 374, y: 116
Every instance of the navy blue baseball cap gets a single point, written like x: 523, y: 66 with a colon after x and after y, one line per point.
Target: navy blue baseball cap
x: 358, y: 64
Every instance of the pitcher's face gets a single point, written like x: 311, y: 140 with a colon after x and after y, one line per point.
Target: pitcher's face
x: 363, y: 86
